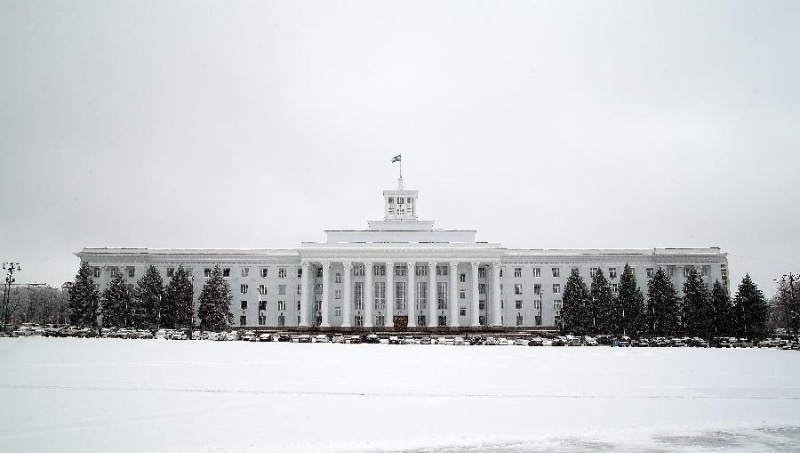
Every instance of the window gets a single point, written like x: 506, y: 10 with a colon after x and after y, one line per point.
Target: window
x: 462, y: 277
x: 706, y: 270
x: 245, y: 272
x: 517, y: 272
x: 519, y: 305
x: 441, y: 270
x: 556, y: 288
x: 337, y: 294
x: 262, y: 289
x: 132, y: 272
x: 519, y: 319
x: 576, y: 270
x: 650, y: 272
x: 422, y: 296
x: 592, y: 271
x: 462, y: 311
x: 481, y: 305
x: 358, y: 295
x: 262, y: 305
x: 518, y: 288
x: 442, y: 321
x: 299, y: 272
x: 97, y: 272
x: 502, y: 305
x: 421, y: 270
x: 557, y: 306
x: 207, y: 272
x: 265, y: 272
x: 537, y: 272
x: 671, y: 271
x: 400, y: 270
x: 189, y: 271
x: 501, y: 272
x: 338, y: 278
x: 537, y: 320
x: 462, y: 294
x: 612, y: 272
x: 537, y: 305
x: 319, y: 272
x: 482, y: 320
x: 556, y: 272
x: 614, y: 288
x: 686, y: 271
x: 380, y: 320
x: 337, y: 311
x: 243, y: 289
x: 481, y: 288
x: 282, y: 290
x: 318, y: 288
x: 244, y: 305
x: 537, y: 289
x: 379, y: 270
x: 282, y: 320
x: 242, y: 320
x: 380, y: 296
x: 358, y: 270
x: 226, y: 272
x: 170, y: 272
x: 281, y: 305
x: 421, y: 320
x: 298, y: 305
x: 262, y: 320
x: 481, y: 272
x: 359, y: 321
x: 441, y: 299
x: 299, y: 290
x: 281, y: 272
x: 399, y: 295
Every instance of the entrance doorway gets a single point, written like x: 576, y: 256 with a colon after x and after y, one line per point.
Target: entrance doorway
x: 401, y: 322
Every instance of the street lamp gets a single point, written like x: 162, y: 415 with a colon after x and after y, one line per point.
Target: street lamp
x: 10, y: 268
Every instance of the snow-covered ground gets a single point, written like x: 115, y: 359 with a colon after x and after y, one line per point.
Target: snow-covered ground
x: 106, y: 395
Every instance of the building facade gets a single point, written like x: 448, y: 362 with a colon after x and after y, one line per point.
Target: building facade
x: 402, y: 274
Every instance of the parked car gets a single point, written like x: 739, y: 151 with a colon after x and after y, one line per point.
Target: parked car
x: 590, y: 341
x: 476, y: 340
x: 425, y: 340
x: 409, y: 339
x: 284, y: 337
x: 677, y: 342
x: 337, y: 338
x: 720, y: 342
x: 372, y: 339
x: 459, y: 341
x: 490, y: 341
x: 305, y: 338
x: 265, y: 337
x: 353, y: 339
x: 394, y: 340
x: 321, y: 339
x: 232, y: 336
x: 520, y: 342
x: 536, y: 341
x: 559, y: 341
x: 248, y: 336
x: 503, y: 341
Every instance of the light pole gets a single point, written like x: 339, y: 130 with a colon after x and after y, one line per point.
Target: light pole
x: 10, y: 268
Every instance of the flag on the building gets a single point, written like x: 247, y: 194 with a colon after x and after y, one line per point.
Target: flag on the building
x: 396, y: 158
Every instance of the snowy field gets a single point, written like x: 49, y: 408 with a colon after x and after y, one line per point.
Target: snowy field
x: 109, y: 395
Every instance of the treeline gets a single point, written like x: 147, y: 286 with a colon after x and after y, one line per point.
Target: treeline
x: 700, y: 312
x: 149, y: 304
x: 37, y: 305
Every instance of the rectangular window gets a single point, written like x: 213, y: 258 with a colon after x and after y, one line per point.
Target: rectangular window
x: 337, y: 311
x: 243, y: 289
x: 519, y: 305
x: 338, y: 278
x: 518, y: 288
x: 281, y: 272
x: 537, y: 304
x: 380, y: 295
x: 378, y: 270
x: 481, y: 305
x: 481, y: 272
x: 537, y: 272
x: 319, y: 273
x: 242, y: 320
x: 358, y: 295
x: 262, y: 289
x: 97, y: 272
x: 537, y: 289
x: 422, y: 295
x: 556, y: 288
x: 170, y: 272
x: 337, y: 294
x: 519, y: 319
x: 706, y: 270
x: 537, y: 320
x: 226, y: 272
x: 650, y: 272
x: 576, y: 270
x: 298, y: 305
x: 400, y: 270
x: 207, y: 272
x: 132, y: 272
x: 282, y: 290
x: 462, y: 278
x: 441, y: 299
x: 282, y: 320
x: 592, y: 271
x: 299, y: 272
x: 358, y: 270
x: 612, y: 272
x: 299, y: 290
x: 557, y: 306
x: 421, y: 270
x: 262, y: 305
x: 556, y: 272
x: 481, y: 288
x: 399, y: 295
x: 318, y: 288
x: 441, y: 270
x: 262, y: 320
x: 281, y: 305
x: 462, y: 294
x: 264, y: 272
x: 189, y: 271
x: 244, y: 305
x: 671, y: 271
x: 245, y: 272
x: 614, y: 288
x: 518, y: 272
x: 462, y: 311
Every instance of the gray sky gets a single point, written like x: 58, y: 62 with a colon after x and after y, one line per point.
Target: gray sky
x: 260, y: 124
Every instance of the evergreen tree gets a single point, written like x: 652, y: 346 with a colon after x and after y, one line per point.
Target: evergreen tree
x: 697, y: 313
x: 117, y: 301
x: 602, y: 301
x: 629, y: 305
x: 84, y: 299
x: 176, y: 308
x: 751, y: 309
x: 147, y: 300
x: 215, y: 303
x: 575, y: 310
x: 662, y: 305
x: 721, y: 311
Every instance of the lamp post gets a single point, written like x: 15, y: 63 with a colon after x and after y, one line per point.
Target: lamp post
x: 10, y: 268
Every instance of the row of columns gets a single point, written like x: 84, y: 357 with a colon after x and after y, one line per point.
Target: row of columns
x: 432, y: 298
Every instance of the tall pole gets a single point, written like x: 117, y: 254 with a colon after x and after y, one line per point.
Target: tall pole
x: 10, y: 268
x: 191, y: 309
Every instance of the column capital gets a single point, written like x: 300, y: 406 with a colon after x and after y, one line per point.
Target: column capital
x: 347, y: 263
x: 325, y: 263
x: 305, y: 264
x: 389, y: 264
x: 453, y: 264
x: 433, y: 264
x: 411, y: 265
x: 475, y: 264
x: 496, y: 264
x: 368, y: 264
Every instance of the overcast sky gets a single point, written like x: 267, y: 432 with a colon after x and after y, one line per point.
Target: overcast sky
x: 256, y: 124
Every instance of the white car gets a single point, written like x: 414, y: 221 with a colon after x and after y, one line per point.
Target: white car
x: 590, y: 341
x: 459, y: 341
x: 321, y: 339
x: 520, y: 342
x: 502, y: 342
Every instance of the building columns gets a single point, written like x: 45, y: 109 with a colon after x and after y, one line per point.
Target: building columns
x: 475, y: 311
x: 304, y: 294
x: 411, y: 308
x: 324, y: 309
x: 347, y: 271
x: 389, y: 318
x: 454, y: 300
x: 432, y: 296
x: 496, y: 310
x: 369, y: 299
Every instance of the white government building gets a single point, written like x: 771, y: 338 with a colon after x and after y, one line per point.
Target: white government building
x: 402, y: 273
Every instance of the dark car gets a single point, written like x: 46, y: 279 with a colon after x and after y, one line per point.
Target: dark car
x: 284, y: 338
x: 476, y: 340
x: 536, y: 342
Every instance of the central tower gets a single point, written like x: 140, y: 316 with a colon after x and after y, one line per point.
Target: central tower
x: 400, y: 204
